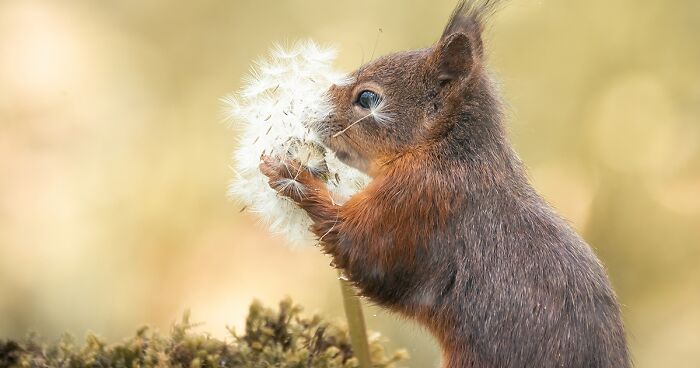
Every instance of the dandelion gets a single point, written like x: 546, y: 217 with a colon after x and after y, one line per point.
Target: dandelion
x: 283, y: 96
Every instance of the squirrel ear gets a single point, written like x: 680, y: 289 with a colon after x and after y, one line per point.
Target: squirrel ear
x: 454, y: 57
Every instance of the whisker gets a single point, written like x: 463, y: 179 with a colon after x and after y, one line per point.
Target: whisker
x: 352, y: 140
x: 376, y: 41
x: 362, y: 62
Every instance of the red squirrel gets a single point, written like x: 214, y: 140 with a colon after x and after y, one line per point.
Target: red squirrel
x: 450, y: 232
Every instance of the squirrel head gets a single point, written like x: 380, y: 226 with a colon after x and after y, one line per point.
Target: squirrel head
x: 406, y: 100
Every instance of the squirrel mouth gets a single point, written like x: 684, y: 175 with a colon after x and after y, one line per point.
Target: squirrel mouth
x: 342, y: 155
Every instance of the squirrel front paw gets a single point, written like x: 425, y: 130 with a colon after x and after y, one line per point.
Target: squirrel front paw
x: 289, y: 177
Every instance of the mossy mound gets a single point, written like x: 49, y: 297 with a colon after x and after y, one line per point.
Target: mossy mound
x: 282, y: 338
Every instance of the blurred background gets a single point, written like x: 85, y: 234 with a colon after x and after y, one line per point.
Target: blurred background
x: 115, y: 157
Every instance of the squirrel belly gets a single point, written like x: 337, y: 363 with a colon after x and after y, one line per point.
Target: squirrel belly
x: 449, y: 232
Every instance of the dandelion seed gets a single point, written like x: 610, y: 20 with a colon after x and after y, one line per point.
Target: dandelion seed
x: 351, y: 125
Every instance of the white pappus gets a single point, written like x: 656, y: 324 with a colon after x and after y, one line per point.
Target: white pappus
x: 282, y: 97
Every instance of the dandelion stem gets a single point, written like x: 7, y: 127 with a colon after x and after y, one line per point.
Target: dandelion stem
x: 350, y: 126
x: 356, y: 323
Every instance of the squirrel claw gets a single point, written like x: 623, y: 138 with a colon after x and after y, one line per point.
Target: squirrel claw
x: 286, y: 176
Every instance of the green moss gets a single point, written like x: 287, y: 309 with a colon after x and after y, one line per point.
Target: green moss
x: 282, y: 338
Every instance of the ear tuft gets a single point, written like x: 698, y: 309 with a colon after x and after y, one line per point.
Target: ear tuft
x: 470, y: 16
x: 455, y: 57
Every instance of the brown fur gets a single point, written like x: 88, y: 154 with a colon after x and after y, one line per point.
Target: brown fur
x: 450, y: 232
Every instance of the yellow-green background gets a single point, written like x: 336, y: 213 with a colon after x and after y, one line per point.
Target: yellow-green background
x: 114, y: 157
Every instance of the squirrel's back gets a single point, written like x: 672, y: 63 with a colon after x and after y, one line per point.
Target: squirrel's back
x: 529, y: 290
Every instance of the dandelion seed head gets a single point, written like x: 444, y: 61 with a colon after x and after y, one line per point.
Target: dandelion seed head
x: 282, y: 96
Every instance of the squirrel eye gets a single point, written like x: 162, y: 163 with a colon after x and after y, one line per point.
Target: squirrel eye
x: 368, y: 99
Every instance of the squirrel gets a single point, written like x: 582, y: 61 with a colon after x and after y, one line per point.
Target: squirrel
x: 449, y: 232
